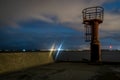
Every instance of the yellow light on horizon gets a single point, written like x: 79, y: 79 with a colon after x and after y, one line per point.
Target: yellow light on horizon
x: 52, y: 49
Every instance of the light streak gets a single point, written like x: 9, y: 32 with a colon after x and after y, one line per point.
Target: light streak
x: 52, y: 49
x: 58, y: 51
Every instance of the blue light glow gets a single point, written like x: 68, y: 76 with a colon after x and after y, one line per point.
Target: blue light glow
x: 58, y: 51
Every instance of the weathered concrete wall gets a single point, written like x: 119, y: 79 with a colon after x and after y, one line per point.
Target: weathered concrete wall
x: 17, y: 61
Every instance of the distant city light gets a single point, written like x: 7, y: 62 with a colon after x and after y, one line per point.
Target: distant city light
x: 23, y: 50
x: 110, y: 46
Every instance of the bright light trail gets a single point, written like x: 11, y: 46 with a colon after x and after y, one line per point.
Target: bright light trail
x: 58, y: 51
x: 52, y: 49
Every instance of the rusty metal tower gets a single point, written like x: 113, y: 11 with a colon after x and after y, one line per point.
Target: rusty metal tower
x: 92, y: 17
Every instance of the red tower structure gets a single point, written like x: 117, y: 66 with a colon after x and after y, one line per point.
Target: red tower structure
x: 92, y: 17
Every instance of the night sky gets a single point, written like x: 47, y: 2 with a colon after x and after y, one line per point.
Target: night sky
x: 38, y: 24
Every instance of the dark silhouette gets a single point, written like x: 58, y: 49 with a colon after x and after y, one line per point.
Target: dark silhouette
x: 92, y: 17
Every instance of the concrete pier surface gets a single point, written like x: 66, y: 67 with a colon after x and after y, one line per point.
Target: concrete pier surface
x: 73, y: 65
x: 67, y: 71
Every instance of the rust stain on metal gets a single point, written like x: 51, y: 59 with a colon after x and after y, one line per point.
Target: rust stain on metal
x: 92, y: 17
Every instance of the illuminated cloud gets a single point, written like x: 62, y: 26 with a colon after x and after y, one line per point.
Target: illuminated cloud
x: 53, y: 11
x: 111, y: 22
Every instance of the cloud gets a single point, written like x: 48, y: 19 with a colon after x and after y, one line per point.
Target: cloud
x: 111, y: 22
x: 65, y: 11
